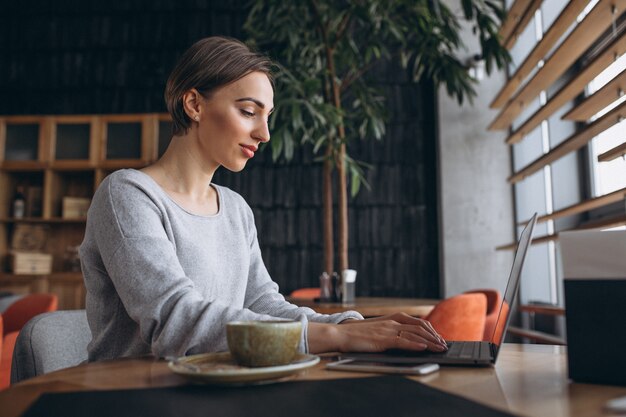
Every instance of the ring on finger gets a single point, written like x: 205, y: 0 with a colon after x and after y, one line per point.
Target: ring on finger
x: 399, y: 335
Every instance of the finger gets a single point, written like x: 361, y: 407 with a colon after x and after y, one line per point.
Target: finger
x: 434, y: 331
x: 425, y: 331
x: 406, y: 319
x: 417, y: 339
x: 409, y: 343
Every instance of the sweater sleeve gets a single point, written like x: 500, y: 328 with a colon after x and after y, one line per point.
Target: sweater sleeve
x: 172, y: 316
x: 262, y: 295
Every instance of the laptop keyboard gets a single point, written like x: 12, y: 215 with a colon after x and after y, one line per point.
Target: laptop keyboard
x: 464, y: 350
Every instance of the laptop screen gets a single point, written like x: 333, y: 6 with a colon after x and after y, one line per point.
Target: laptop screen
x: 513, y: 283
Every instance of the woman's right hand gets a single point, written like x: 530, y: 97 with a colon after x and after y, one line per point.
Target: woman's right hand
x: 397, y: 331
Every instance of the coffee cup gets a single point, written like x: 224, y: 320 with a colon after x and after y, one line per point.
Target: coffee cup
x: 263, y: 343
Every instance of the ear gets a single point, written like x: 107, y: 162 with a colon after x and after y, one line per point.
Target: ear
x: 191, y: 104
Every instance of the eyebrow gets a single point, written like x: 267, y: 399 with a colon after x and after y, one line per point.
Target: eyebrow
x: 255, y: 101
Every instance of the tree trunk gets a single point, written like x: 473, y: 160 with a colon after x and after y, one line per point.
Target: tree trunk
x: 327, y: 197
x: 342, y: 185
x: 342, y: 189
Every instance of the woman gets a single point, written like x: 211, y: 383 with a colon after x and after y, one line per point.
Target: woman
x: 169, y: 257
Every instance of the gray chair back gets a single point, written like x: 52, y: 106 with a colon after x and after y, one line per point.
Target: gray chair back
x: 49, y: 342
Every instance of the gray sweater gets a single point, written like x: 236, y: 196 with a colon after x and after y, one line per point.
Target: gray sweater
x: 164, y: 281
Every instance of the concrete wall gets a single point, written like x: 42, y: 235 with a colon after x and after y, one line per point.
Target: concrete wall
x: 476, y: 201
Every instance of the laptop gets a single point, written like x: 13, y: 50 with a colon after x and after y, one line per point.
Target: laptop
x: 467, y: 353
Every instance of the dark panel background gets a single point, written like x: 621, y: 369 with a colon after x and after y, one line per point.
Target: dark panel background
x: 83, y: 57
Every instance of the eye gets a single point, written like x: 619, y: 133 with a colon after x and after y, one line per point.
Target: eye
x: 246, y: 113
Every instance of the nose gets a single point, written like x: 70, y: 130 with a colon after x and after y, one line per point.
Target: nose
x: 262, y: 132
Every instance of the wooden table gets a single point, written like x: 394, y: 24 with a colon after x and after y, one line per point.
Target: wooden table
x: 529, y: 379
x: 372, y: 306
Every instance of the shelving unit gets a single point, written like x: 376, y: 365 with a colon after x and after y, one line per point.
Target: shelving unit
x: 53, y: 157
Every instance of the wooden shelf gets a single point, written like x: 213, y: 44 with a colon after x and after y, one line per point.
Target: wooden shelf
x: 59, y: 276
x: 572, y: 88
x: 42, y: 220
x: 72, y: 165
x: 21, y: 166
x: 69, y: 158
x: 611, y: 92
x: 558, y: 28
x: 122, y: 163
x: 574, y: 142
x: 576, y: 43
x: 518, y: 16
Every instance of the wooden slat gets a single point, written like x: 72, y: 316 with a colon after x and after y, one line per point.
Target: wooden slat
x: 587, y: 205
x: 554, y: 33
x: 535, y: 241
x: 611, y: 154
x: 574, y: 142
x: 513, y: 17
x: 604, y: 223
x: 599, y: 100
x: 572, y: 88
x: 541, y: 309
x: 536, y: 336
x: 522, y: 23
x: 576, y: 43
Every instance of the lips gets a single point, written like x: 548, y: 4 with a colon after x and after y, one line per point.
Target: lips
x: 248, y: 150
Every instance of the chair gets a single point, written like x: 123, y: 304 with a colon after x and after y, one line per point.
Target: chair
x: 1, y: 338
x: 50, y: 342
x: 25, y: 308
x: 306, y: 293
x: 494, y: 300
x: 461, y: 317
x: 14, y: 318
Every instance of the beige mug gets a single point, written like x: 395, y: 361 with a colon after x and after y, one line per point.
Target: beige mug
x: 263, y: 343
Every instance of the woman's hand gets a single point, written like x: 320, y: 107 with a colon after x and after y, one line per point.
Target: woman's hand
x: 396, y: 331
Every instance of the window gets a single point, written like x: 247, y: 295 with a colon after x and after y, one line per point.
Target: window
x: 608, y: 176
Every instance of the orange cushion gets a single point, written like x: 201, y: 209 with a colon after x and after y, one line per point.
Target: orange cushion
x: 461, y: 317
x: 306, y: 293
x: 24, y: 309
x: 494, y: 300
x: 497, y: 337
x: 6, y: 359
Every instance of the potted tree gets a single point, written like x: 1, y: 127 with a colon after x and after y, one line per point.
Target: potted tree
x: 325, y: 48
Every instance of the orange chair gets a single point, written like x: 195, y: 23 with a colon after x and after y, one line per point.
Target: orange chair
x: 306, y: 293
x: 461, y: 317
x: 494, y: 300
x: 498, y: 335
x: 1, y: 338
x: 14, y: 318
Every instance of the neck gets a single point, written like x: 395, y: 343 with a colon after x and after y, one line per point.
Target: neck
x: 182, y: 171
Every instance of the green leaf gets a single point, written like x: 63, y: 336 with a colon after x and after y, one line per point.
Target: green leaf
x: 422, y: 35
x: 288, y: 145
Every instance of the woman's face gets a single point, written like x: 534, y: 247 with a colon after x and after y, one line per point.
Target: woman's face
x: 233, y: 121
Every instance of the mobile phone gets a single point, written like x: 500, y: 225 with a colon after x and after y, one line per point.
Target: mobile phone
x: 388, y: 368
x: 616, y: 405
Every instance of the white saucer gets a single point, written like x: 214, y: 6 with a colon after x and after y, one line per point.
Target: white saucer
x: 220, y: 368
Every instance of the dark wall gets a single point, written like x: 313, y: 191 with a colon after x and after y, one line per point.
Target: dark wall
x: 83, y: 57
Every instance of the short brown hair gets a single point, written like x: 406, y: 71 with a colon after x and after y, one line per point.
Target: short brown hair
x: 207, y: 65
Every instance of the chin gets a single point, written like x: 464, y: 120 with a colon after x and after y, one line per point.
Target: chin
x: 236, y: 167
